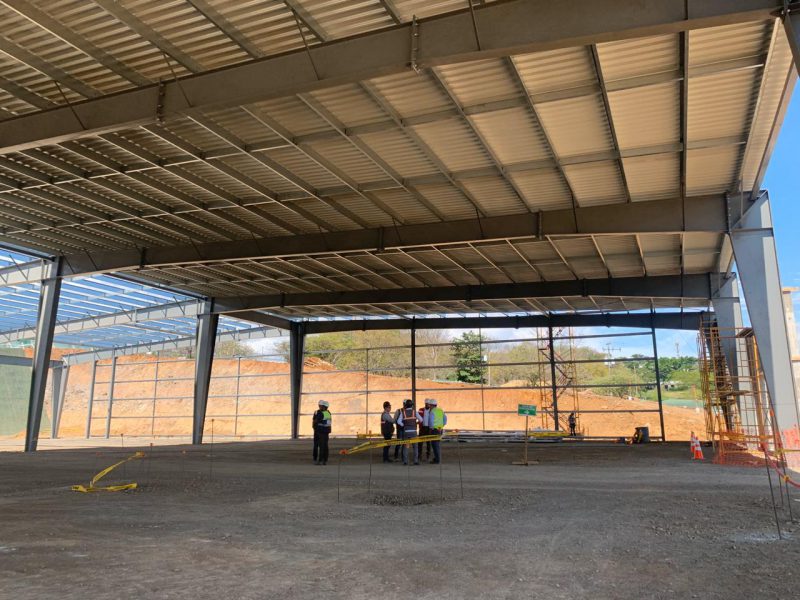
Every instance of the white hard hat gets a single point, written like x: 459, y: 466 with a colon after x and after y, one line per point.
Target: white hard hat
x: 431, y: 401
x: 324, y: 403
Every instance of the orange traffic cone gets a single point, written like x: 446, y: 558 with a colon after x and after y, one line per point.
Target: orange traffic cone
x: 694, y: 446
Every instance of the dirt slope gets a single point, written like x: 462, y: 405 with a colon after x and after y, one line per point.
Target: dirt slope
x: 263, y: 407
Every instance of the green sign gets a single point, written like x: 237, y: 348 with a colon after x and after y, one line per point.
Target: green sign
x: 526, y: 410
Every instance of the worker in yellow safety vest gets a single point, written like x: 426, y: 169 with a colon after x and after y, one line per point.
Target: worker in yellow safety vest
x: 435, y: 420
x: 321, y: 422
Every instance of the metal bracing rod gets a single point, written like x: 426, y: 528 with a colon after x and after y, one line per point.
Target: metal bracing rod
x: 391, y: 10
x: 268, y: 195
x: 206, y: 9
x: 48, y: 308
x: 230, y: 200
x: 598, y: 67
x: 423, y: 147
x: 698, y: 286
x: 531, y: 104
x: 277, y: 129
x: 373, y: 156
x: 207, y: 323
x: 447, y: 39
x: 706, y: 214
x: 482, y: 142
x: 41, y: 19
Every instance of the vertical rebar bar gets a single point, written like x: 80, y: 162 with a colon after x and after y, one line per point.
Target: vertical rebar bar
x: 369, y: 481
x: 211, y: 454
x: 339, y: 480
x: 460, y: 474
x: 772, y: 494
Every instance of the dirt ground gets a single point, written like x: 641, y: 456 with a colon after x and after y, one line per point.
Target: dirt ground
x: 264, y: 402
x: 260, y: 521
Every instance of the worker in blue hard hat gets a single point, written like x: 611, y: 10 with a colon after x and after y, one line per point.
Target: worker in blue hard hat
x: 321, y: 422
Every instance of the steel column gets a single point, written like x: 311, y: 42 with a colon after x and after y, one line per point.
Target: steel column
x: 111, y: 395
x: 297, y: 340
x: 791, y: 23
x: 658, y: 386
x: 757, y: 263
x: 553, y: 383
x: 728, y: 311
x: 45, y: 326
x: 414, y: 362
x: 60, y: 379
x: 90, y: 402
x: 206, y: 337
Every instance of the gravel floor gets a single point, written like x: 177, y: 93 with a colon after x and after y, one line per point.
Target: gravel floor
x: 261, y: 521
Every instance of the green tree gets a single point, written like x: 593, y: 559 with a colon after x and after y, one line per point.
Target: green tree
x: 470, y: 366
x: 618, y: 382
x: 231, y: 349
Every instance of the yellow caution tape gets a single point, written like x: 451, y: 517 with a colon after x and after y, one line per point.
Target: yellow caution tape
x: 384, y: 443
x: 108, y: 488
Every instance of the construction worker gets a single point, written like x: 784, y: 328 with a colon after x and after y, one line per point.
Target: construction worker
x: 409, y: 419
x: 424, y: 430
x: 397, y: 414
x: 435, y: 420
x: 321, y: 422
x: 571, y: 422
x: 387, y: 428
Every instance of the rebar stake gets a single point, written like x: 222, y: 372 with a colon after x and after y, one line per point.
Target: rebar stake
x: 772, y: 494
x: 338, y: 480
x: 460, y: 475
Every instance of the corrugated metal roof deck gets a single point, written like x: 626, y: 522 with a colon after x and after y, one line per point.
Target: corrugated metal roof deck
x: 574, y: 127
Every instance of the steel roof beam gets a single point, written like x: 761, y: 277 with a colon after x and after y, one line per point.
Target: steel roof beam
x: 670, y: 320
x: 446, y: 39
x: 697, y: 286
x: 173, y: 310
x: 174, y: 344
x: 703, y: 214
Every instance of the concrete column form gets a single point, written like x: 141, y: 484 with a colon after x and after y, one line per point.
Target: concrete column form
x: 757, y: 264
x: 206, y: 338
x: 45, y: 326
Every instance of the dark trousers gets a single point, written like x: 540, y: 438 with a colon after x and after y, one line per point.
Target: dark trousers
x: 398, y: 448
x: 321, y: 445
x: 387, y: 435
x: 437, y: 450
x: 427, y: 445
x: 572, y: 429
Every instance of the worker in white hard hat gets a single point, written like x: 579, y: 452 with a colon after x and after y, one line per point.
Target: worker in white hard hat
x: 321, y: 422
x: 435, y: 420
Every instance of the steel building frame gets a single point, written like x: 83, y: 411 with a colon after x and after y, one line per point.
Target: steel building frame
x: 354, y: 171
